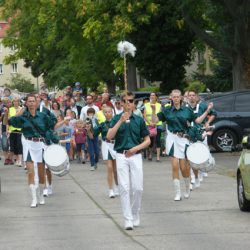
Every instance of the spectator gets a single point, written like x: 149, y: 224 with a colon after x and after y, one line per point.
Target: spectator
x: 80, y: 136
x: 118, y: 107
x: 105, y: 99
x: 93, y: 147
x: 78, y: 88
x: 56, y: 109
x: 90, y: 104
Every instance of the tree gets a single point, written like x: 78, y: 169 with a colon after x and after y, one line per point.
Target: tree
x: 229, y: 25
x: 20, y: 83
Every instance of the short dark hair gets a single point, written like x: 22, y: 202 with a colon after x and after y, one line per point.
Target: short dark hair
x: 129, y: 93
x: 91, y: 111
x: 30, y: 95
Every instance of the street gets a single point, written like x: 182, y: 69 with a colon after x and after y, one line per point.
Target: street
x: 79, y: 215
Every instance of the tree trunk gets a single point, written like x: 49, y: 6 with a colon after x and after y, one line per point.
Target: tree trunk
x: 111, y: 87
x: 132, y: 83
x: 241, y: 73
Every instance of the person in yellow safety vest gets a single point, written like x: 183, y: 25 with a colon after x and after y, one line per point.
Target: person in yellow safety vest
x: 155, y: 139
x: 100, y: 115
x: 15, y: 134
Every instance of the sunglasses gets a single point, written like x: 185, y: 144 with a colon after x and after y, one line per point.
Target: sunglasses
x: 129, y: 101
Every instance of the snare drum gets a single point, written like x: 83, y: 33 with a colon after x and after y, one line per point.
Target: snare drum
x: 57, y: 160
x: 199, y: 157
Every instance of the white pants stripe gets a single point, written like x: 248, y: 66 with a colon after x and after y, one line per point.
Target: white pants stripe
x: 130, y: 169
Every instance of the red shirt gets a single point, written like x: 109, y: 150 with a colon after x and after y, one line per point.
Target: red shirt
x: 80, y: 135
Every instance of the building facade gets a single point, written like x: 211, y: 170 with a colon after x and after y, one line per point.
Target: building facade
x: 7, y: 71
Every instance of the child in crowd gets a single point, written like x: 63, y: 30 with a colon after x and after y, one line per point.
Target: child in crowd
x: 92, y: 140
x: 80, y: 135
x: 69, y: 137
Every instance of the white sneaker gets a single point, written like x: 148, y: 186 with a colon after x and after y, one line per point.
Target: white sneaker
x: 116, y: 190
x: 205, y: 174
x: 128, y: 225
x: 92, y: 168
x: 42, y: 200
x: 136, y: 220
x: 197, y: 182
x: 50, y: 190
x: 111, y: 193
x: 45, y: 192
x: 191, y: 187
x: 201, y: 177
x: 177, y: 188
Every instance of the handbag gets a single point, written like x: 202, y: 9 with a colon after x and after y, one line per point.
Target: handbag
x: 152, y: 131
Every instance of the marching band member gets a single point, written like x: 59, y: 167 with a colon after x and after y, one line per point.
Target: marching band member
x: 178, y: 118
x: 199, y: 108
x: 128, y: 130
x: 108, y: 154
x: 34, y: 125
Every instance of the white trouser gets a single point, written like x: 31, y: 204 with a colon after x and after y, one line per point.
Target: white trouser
x: 130, y: 169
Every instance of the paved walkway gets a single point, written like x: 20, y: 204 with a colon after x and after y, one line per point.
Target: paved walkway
x: 80, y: 215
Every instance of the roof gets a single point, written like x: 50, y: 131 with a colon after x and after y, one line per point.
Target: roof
x: 3, y: 27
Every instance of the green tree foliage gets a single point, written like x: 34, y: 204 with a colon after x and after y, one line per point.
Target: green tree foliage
x: 20, y: 83
x: 228, y: 24
x: 68, y: 41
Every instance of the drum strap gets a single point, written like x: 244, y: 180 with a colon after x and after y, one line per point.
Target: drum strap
x: 36, y: 128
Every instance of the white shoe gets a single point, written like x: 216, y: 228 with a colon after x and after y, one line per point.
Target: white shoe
x: 128, y: 225
x: 201, y: 177
x: 42, y: 200
x: 116, y: 190
x: 50, y: 190
x: 92, y: 168
x: 33, y: 194
x: 136, y: 220
x: 191, y: 187
x: 111, y: 193
x: 187, y: 188
x: 197, y: 182
x: 40, y: 194
x: 177, y: 188
x: 205, y: 174
x: 45, y: 192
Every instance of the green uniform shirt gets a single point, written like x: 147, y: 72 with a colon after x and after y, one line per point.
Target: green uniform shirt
x: 178, y: 120
x: 49, y: 114
x: 200, y: 108
x: 41, y: 120
x: 102, y: 128
x: 129, y: 134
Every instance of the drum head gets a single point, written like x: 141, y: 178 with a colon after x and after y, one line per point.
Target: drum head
x: 55, y: 155
x: 198, y: 153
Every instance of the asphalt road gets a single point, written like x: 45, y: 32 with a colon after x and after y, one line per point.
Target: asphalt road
x: 79, y: 215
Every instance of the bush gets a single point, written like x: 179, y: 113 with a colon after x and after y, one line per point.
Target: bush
x: 20, y: 83
x: 198, y: 86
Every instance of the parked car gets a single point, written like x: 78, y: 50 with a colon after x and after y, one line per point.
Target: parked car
x: 233, y: 120
x: 243, y: 176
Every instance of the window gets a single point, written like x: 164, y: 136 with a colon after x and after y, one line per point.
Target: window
x: 224, y: 103
x: 13, y: 47
x: 14, y: 68
x: 242, y: 103
x: 1, y: 69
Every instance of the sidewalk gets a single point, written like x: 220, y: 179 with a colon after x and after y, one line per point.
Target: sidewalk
x: 80, y: 215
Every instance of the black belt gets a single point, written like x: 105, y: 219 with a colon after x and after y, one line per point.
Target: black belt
x: 110, y: 141
x: 180, y: 134
x: 125, y: 151
x: 35, y: 139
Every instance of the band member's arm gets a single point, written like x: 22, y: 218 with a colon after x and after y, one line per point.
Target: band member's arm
x: 201, y: 118
x: 146, y: 142
x: 112, y: 131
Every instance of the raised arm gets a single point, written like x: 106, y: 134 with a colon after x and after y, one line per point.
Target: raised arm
x: 201, y: 118
x: 112, y: 131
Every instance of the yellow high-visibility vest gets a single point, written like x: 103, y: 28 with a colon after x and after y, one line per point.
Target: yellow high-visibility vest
x: 100, y: 117
x: 12, y: 112
x: 148, y: 111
